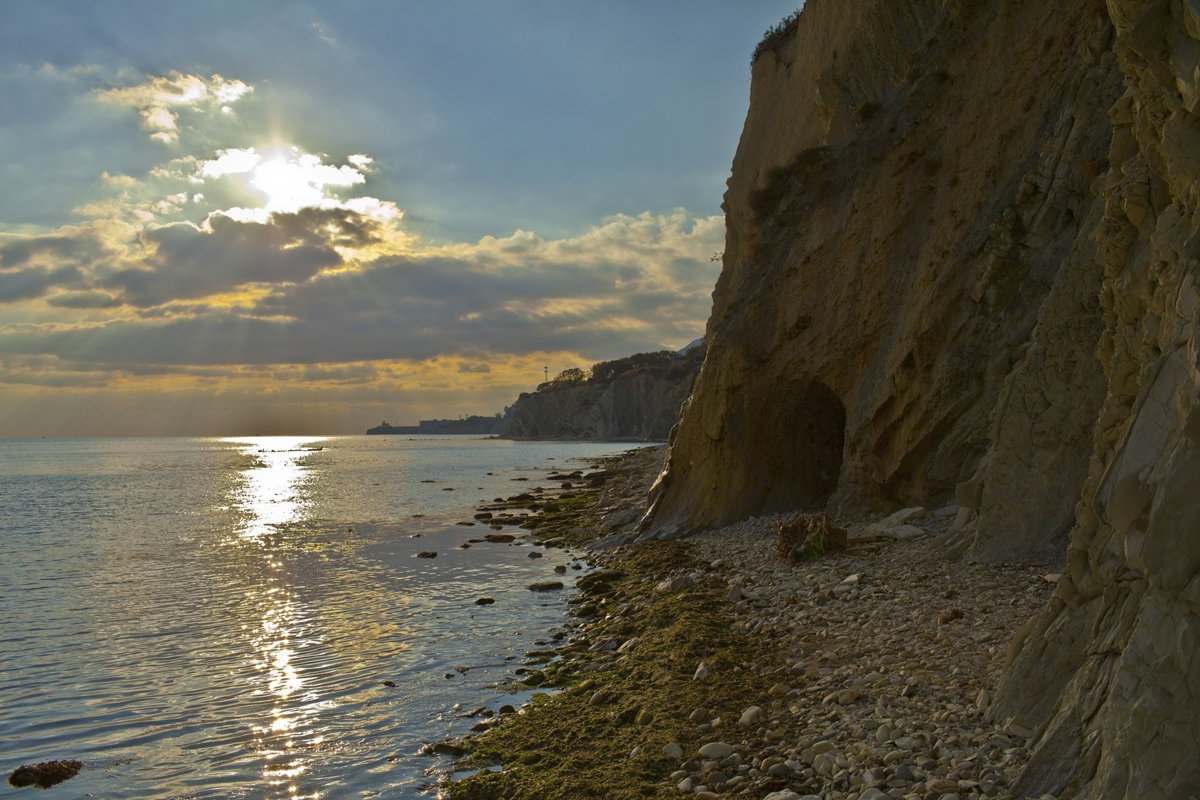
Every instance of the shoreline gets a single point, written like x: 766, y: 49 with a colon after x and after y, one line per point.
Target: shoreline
x: 710, y: 666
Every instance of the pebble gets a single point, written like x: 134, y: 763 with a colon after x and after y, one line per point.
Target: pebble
x: 941, y: 786
x: 716, y: 750
x: 675, y: 584
x: 751, y: 717
x: 875, y: 708
x: 870, y: 698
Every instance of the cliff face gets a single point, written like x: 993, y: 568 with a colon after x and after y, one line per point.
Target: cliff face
x: 908, y: 224
x: 961, y: 264
x: 1110, y: 671
x: 642, y: 407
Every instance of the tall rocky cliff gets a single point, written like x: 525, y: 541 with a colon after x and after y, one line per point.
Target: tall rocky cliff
x: 960, y: 266
x: 641, y: 406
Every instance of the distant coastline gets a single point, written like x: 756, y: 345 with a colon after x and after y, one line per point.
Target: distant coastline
x: 632, y: 399
x: 486, y: 426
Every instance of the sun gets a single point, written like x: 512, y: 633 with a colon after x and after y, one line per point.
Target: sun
x: 285, y: 179
x: 288, y: 180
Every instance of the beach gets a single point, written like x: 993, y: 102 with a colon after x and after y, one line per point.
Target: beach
x: 710, y: 666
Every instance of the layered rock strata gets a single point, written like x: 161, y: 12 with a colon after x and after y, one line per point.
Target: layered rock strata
x: 963, y: 243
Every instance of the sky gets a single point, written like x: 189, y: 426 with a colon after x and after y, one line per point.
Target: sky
x: 239, y: 218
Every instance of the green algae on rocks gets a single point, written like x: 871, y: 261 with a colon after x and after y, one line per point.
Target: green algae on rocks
x: 632, y: 680
x: 45, y: 774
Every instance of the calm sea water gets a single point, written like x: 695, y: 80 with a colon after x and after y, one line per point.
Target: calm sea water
x: 204, y: 618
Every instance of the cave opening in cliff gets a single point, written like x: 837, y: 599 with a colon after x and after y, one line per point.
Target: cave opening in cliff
x: 821, y: 433
x: 805, y: 449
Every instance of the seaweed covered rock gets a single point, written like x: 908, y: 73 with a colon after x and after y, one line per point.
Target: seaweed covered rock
x: 45, y: 774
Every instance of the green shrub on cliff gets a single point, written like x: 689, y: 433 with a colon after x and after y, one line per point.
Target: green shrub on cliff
x: 608, y: 370
x: 776, y: 35
x: 663, y: 361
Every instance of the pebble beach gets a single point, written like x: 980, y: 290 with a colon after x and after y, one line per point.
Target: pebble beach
x: 712, y: 667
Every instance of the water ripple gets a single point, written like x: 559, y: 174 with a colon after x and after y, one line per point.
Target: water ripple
x: 205, y: 618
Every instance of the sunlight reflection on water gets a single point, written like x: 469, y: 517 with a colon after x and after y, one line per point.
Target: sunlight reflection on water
x: 208, y: 619
x: 272, y: 490
x: 271, y: 496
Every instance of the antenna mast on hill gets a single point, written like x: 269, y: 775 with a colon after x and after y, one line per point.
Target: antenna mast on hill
x: 546, y: 372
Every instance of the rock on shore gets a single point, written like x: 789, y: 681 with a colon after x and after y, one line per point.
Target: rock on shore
x: 715, y: 667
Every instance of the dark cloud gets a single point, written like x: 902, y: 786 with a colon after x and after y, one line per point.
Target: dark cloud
x: 32, y: 267
x: 184, y: 262
x: 421, y: 308
x: 624, y: 287
x: 34, y: 282
x: 79, y: 248
x: 82, y: 300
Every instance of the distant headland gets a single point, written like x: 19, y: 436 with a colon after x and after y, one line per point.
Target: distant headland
x: 478, y: 425
x: 636, y: 398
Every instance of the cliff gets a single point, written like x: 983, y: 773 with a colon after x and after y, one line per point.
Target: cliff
x: 960, y: 269
x: 897, y: 220
x: 642, y: 406
x: 1110, y: 671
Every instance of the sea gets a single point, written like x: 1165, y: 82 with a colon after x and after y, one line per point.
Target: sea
x: 249, y: 617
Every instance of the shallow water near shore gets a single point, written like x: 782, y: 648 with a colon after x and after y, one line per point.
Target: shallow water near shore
x: 199, y: 618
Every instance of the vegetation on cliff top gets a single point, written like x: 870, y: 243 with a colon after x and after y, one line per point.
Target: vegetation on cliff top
x: 661, y: 361
x: 776, y: 35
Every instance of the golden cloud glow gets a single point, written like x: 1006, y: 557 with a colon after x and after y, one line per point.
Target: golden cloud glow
x: 244, y: 289
x: 316, y: 398
x: 157, y: 97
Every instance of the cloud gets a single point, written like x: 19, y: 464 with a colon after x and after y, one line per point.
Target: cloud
x: 34, y: 282
x: 323, y: 33
x: 85, y: 299
x: 237, y: 269
x: 232, y: 161
x: 71, y: 245
x: 287, y: 179
x: 186, y: 262
x: 243, y: 293
x: 158, y: 98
